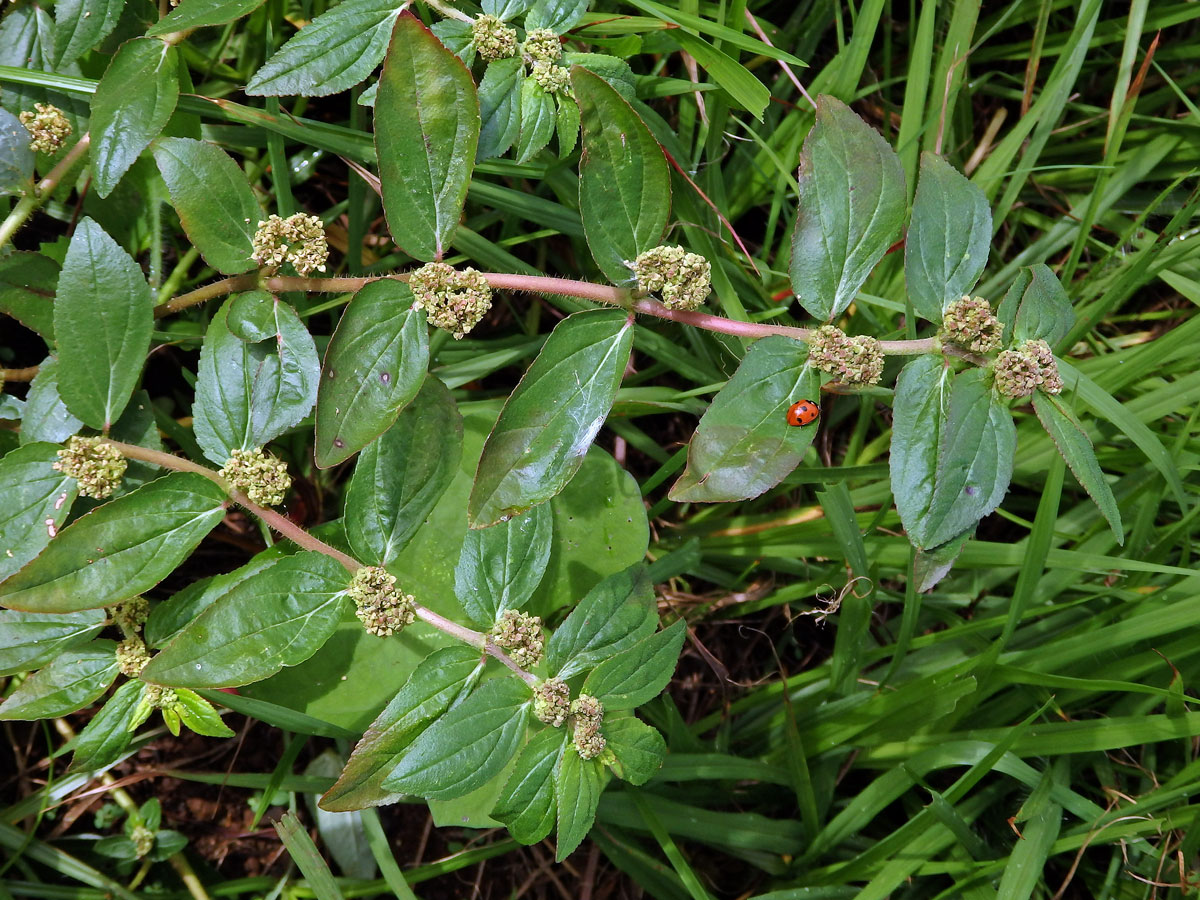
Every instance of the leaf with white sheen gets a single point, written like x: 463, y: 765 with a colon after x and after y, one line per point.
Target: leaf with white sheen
x: 69, y: 683
x: 120, y: 549
x: 468, y: 746
x: 1076, y: 448
x: 526, y: 804
x: 373, y: 368
x: 577, y: 783
x: 613, y: 616
x: 103, y: 316
x: 30, y: 640
x: 335, y: 51
x: 279, y: 617
x: 250, y: 393
x: 132, y: 104
x: 637, y: 675
x: 624, y: 180
x: 852, y: 204
x: 499, y: 106
x: 46, y: 416
x: 744, y: 444
x: 552, y: 417
x: 946, y: 246
x: 35, y: 501
x: 639, y: 749
x: 433, y: 686
x: 426, y: 135
x: 191, y: 14
x: 16, y: 156
x: 500, y: 567
x: 213, y: 199
x: 401, y: 476
x: 80, y: 25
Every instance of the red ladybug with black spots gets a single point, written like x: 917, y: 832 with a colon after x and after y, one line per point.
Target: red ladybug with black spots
x: 805, y: 412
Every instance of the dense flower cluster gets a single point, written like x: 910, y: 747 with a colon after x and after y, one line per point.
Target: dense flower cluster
x: 298, y: 239
x: 143, y: 840
x: 493, y: 39
x: 588, y: 713
x: 681, y: 279
x: 453, y: 300
x: 263, y: 478
x: 520, y: 634
x: 380, y: 606
x: 48, y: 127
x: 159, y: 697
x: 552, y: 701
x: 851, y: 360
x: 970, y: 323
x: 1028, y: 368
x: 552, y: 79
x: 131, y: 614
x: 96, y: 464
x: 541, y: 45
x: 132, y: 657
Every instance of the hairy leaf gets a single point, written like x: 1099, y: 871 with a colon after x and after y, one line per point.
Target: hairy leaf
x: 27, y: 285
x: 191, y: 14
x: 538, y: 118
x: 526, y: 804
x: 80, y: 25
x: 637, y: 748
x: 110, y: 730
x: 29, y: 640
x: 638, y: 674
x: 500, y: 567
x: 615, y: 615
x: 500, y: 94
x: 578, y: 783
x: 35, y: 501
x: 69, y: 683
x: 16, y: 156
x: 46, y: 416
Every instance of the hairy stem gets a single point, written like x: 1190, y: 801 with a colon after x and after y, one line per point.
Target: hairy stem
x: 27, y: 206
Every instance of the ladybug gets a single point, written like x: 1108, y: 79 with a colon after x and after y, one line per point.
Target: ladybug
x: 803, y: 413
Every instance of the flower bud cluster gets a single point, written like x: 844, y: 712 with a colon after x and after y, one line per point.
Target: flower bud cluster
x: 96, y: 464
x: 851, y: 360
x: 48, y: 127
x: 541, y: 46
x: 132, y: 614
x: 552, y: 702
x: 552, y: 79
x: 1028, y: 368
x: 681, y: 279
x: 143, y: 840
x: 159, y: 697
x: 380, y: 606
x: 493, y: 39
x: 588, y: 713
x: 298, y: 239
x: 262, y: 477
x: 454, y: 301
x: 520, y: 635
x: 970, y: 323
x: 132, y: 656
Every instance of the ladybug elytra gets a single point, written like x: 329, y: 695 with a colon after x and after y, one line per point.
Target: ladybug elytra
x: 804, y: 412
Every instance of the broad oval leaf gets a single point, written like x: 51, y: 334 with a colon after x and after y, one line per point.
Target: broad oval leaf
x: 500, y: 567
x: 16, y: 156
x: 499, y: 107
x: 27, y: 285
x: 191, y: 14
x: 29, y: 640
x: 250, y: 393
x: 426, y: 135
x: 278, y: 617
x: 1043, y: 311
x: 952, y: 451
x: 624, y: 180
x: 613, y: 616
x: 335, y: 51
x: 69, y: 683
x: 560, y: 16
x: 34, y: 503
x: 120, y: 549
x: 439, y: 679
x: 553, y: 415
x: 468, y: 746
x: 946, y: 247
x: 213, y: 199
x: 851, y: 206
x: 577, y: 784
x: 132, y: 104
x: 80, y: 25
x: 638, y: 674
x: 175, y: 613
x: 400, y: 477
x: 373, y: 368
x: 538, y: 119
x: 526, y: 804
x: 1076, y: 448
x: 638, y: 749
x: 110, y: 730
x: 46, y: 416
x: 744, y: 444
x: 103, y: 317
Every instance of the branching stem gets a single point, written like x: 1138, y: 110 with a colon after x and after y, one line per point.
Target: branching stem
x: 28, y: 205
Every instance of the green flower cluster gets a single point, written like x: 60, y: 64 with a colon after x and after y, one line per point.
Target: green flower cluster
x: 552, y: 702
x: 520, y: 635
x: 454, y: 301
x: 850, y: 360
x: 552, y: 79
x: 298, y: 239
x: 588, y: 713
x: 379, y: 605
x: 1028, y: 368
x: 262, y: 477
x: 48, y: 127
x: 493, y: 39
x: 143, y: 840
x: 970, y: 323
x: 681, y: 279
x: 541, y: 45
x: 97, y: 465
x: 132, y: 656
x: 131, y: 614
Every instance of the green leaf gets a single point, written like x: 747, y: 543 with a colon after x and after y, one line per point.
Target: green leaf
x: 946, y: 247
x: 429, y: 691
x: 110, y: 730
x: 577, y: 784
x: 103, y: 316
x: 458, y: 37
x: 1044, y: 310
x: 624, y: 180
x: 637, y: 750
x: 29, y: 640
x: 500, y: 94
x: 538, y: 118
x: 16, y: 156
x: 46, y: 416
x: 637, y: 675
x: 1076, y: 448
x: 527, y: 805
x: 307, y: 857
x: 120, y: 549
x: 400, y: 477
x: 35, y: 501
x: 744, y: 444
x: 199, y: 715
x: 468, y: 746
x: 28, y: 282
x: 132, y: 104
x: 373, y: 368
x: 190, y: 14
x: 250, y: 393
x: 852, y: 204
x: 614, y: 616
x: 566, y: 125
x: 500, y: 567
x: 740, y: 83
x: 170, y: 617
x: 560, y: 16
x: 278, y: 617
x: 426, y: 135
x: 69, y: 683
x: 80, y: 25
x: 213, y: 199
x: 552, y: 417
x: 506, y: 9
x: 335, y: 51
x: 952, y: 451
x: 931, y: 566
